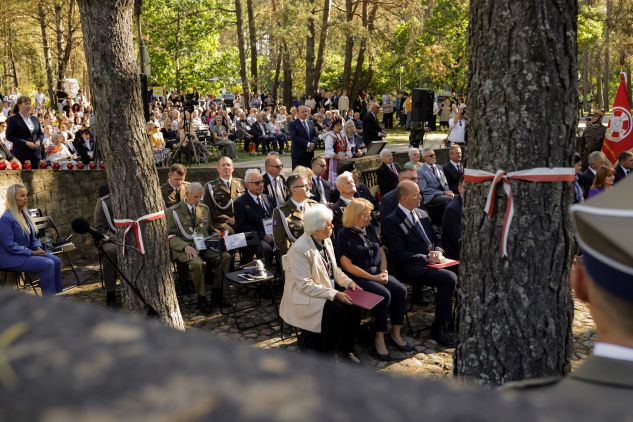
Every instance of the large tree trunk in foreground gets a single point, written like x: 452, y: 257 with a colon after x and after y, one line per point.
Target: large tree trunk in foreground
x: 515, y: 313
x: 132, y: 177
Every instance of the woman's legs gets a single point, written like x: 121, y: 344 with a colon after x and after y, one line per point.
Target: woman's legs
x: 380, y: 311
x: 48, y: 268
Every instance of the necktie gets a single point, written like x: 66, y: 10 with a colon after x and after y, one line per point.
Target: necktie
x: 193, y: 217
x: 228, y: 185
x: 437, y: 176
x: 418, y: 225
x: 393, y: 169
x: 261, y: 204
x: 177, y: 194
x: 305, y: 125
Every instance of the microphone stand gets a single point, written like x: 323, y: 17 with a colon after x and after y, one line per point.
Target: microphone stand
x: 151, y: 311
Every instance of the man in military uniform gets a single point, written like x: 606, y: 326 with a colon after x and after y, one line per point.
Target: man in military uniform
x: 188, y: 226
x: 288, y: 219
x: 104, y: 224
x: 604, y: 280
x: 219, y: 195
x: 592, y: 137
x: 174, y: 190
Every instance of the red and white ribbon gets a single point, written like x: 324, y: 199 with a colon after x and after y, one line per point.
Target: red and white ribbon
x: 541, y: 174
x: 129, y: 224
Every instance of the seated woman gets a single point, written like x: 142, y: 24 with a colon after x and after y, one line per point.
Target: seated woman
x: 58, y: 152
x: 605, y: 178
x: 354, y: 140
x: 20, y: 249
x: 336, y: 149
x: 161, y: 152
x: 310, y: 301
x: 414, y: 159
x: 361, y: 257
x: 221, y: 138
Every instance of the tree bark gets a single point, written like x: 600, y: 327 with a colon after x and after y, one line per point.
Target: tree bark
x: 276, y: 77
x: 47, y: 54
x: 113, y: 72
x: 310, y: 46
x: 253, y: 41
x: 64, y: 41
x: 287, y: 72
x: 325, y: 25
x: 349, y: 49
x: 515, y: 313
x: 240, y: 44
x: 605, y: 76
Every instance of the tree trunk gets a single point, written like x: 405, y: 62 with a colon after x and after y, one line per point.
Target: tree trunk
x: 276, y: 77
x: 325, y: 24
x: 310, y: 41
x: 515, y: 313
x: 240, y: 44
x: 253, y: 41
x: 585, y: 80
x: 113, y: 72
x: 47, y: 55
x: 287, y: 71
x: 605, y: 76
x: 64, y: 41
x: 349, y: 49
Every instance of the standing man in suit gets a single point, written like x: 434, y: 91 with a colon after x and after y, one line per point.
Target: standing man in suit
x: 174, y: 190
x: 274, y: 182
x: 219, y: 195
x: 412, y: 243
x: 304, y: 138
x: 433, y: 183
x: 387, y: 172
x: 372, y: 131
x: 453, y: 170
x: 85, y: 146
x: 602, y: 278
x: 321, y: 190
x: 253, y: 213
x: 625, y: 165
x: 189, y: 223
x: 25, y: 132
x: 595, y: 160
x: 288, y: 219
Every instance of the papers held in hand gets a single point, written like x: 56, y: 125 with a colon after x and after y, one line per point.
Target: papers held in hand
x: 363, y: 298
x: 447, y: 263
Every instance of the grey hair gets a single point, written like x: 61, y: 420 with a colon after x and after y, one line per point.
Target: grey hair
x: 595, y: 156
x: 384, y: 152
x: 315, y: 218
x: 350, y: 123
x: 249, y: 172
x: 194, y: 187
x: 426, y: 150
x: 413, y: 151
x: 346, y: 175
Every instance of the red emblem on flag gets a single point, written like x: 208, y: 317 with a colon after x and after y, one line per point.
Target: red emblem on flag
x: 619, y: 135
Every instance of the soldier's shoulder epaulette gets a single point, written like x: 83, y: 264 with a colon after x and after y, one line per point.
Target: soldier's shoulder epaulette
x: 202, y: 205
x: 530, y: 384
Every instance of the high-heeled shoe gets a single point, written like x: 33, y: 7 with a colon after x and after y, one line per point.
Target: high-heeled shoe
x: 406, y: 347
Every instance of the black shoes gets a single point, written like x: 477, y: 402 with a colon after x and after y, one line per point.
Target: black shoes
x: 406, y: 347
x: 203, y: 306
x: 441, y: 334
x: 111, y: 300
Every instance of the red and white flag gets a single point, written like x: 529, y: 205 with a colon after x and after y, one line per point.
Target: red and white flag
x: 619, y: 136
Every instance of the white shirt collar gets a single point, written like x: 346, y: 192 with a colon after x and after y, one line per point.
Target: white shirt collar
x: 592, y: 170
x: 297, y: 204
x: 226, y: 181
x: 271, y: 177
x: 623, y: 169
x: 613, y: 351
x: 347, y: 201
x: 189, y: 206
x: 455, y: 164
x: 255, y: 198
x: 405, y: 210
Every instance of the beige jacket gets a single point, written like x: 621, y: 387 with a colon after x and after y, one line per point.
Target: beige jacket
x: 307, y: 285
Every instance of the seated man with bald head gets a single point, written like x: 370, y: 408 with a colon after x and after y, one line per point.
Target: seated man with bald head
x: 412, y: 242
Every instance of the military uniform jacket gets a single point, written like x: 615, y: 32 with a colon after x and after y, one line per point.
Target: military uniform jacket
x: 103, y: 215
x: 288, y: 224
x: 219, y: 199
x: 592, y: 139
x: 181, y: 225
x: 171, y: 196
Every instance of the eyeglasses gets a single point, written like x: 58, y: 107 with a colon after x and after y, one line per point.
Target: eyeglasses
x: 280, y: 166
x: 259, y: 182
x: 432, y: 155
x: 413, y: 179
x: 299, y: 186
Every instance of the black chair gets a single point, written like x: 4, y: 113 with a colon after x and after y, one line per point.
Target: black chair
x: 45, y: 225
x: 21, y: 280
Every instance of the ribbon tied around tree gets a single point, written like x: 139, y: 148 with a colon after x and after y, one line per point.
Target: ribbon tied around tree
x: 136, y: 225
x: 540, y: 174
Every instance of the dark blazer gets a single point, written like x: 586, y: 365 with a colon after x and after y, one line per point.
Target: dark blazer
x: 257, y: 131
x: 15, y: 244
x: 337, y: 211
x: 300, y: 139
x: 389, y: 203
x: 268, y: 190
x: 387, y: 180
x: 585, y: 180
x: 406, y: 245
x: 452, y: 227
x: 249, y: 215
x: 363, y: 191
x: 327, y: 190
x: 619, y: 173
x: 371, y: 128
x: 452, y: 176
x: 18, y: 133
x: 82, y: 150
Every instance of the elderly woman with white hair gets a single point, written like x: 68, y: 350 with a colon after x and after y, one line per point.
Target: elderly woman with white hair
x: 311, y: 301
x: 354, y: 140
x: 414, y: 159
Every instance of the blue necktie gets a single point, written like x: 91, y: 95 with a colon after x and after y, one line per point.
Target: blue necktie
x: 418, y: 225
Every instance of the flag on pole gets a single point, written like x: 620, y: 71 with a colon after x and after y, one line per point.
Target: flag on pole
x: 619, y: 135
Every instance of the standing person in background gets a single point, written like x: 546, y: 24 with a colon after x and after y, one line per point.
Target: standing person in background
x: 343, y: 103
x: 458, y: 126
x: 408, y: 105
x: 445, y: 113
x: 25, y: 132
x: 304, y: 138
x: 388, y: 108
x: 592, y: 137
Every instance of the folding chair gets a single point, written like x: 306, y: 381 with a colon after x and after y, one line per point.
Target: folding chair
x: 20, y: 279
x: 43, y: 225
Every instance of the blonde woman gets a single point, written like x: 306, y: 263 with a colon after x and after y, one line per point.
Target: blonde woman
x: 20, y: 249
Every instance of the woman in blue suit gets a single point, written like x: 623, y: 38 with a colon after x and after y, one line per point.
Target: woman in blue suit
x: 20, y: 249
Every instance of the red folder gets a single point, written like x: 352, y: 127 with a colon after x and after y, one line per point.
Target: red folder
x: 448, y: 263
x: 364, y: 299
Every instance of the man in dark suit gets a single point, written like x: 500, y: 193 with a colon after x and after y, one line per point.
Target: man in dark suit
x: 253, y: 213
x: 321, y: 191
x: 85, y: 147
x: 453, y: 170
x: 347, y: 189
x: 387, y: 172
x: 372, y: 131
x: 261, y: 135
x: 625, y: 165
x: 390, y: 200
x: 595, y: 160
x: 452, y: 224
x: 274, y: 182
x: 25, y: 132
x: 304, y: 138
x: 408, y: 234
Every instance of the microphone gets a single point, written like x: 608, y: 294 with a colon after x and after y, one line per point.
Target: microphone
x: 82, y: 226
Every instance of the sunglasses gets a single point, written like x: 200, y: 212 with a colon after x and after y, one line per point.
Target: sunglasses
x: 259, y: 182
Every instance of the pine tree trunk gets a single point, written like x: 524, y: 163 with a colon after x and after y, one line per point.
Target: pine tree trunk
x: 349, y: 49
x: 113, y: 72
x: 310, y: 46
x: 325, y: 25
x: 605, y: 75
x: 48, y: 62
x: 515, y: 313
x: 287, y: 72
x: 253, y: 41
x: 240, y: 45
